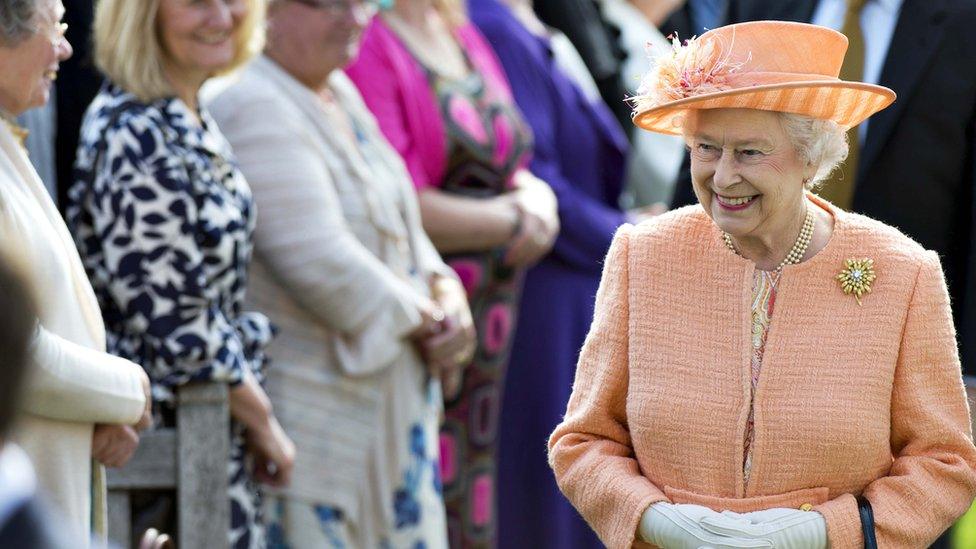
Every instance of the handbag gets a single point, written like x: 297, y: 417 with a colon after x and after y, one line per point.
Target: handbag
x: 867, y: 522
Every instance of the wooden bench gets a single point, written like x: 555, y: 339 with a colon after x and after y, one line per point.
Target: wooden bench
x: 190, y: 459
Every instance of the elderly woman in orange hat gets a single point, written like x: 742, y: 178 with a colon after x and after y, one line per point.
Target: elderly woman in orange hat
x: 765, y: 369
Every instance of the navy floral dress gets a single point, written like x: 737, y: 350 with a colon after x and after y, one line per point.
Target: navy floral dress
x: 163, y: 220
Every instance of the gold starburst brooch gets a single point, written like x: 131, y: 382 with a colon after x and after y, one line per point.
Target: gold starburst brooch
x: 857, y: 277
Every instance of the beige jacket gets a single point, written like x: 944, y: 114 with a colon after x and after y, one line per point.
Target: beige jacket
x: 341, y: 262
x: 74, y: 383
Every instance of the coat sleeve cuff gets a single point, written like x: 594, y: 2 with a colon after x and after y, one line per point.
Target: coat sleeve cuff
x: 626, y: 532
x: 843, y: 522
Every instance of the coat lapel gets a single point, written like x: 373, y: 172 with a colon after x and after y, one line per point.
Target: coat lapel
x: 917, y: 35
x: 332, y: 142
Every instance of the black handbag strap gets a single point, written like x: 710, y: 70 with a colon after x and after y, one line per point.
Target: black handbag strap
x: 867, y: 522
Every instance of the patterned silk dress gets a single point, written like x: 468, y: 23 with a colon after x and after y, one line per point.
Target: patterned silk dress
x: 487, y: 142
x: 763, y: 302
x: 163, y: 221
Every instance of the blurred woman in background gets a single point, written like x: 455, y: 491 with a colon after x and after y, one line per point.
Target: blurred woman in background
x: 164, y: 221
x: 370, y: 316
x: 442, y: 100
x: 581, y: 152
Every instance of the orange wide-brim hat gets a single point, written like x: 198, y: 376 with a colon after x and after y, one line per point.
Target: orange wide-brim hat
x: 766, y: 65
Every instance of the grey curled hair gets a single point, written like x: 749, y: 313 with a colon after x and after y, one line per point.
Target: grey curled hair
x: 16, y: 21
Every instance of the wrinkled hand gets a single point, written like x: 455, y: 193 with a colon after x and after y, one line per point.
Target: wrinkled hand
x: 679, y: 526
x: 114, y: 445
x: 537, y: 199
x: 449, y: 351
x: 784, y: 528
x: 450, y: 295
x: 446, y: 354
x: 146, y: 420
x: 154, y: 539
x: 539, y: 213
x: 273, y: 452
x: 530, y: 244
x: 431, y: 320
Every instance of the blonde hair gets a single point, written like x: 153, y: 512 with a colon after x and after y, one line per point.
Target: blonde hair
x: 128, y: 49
x: 16, y: 18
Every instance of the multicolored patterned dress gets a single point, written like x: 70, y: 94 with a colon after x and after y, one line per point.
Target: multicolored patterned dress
x: 488, y: 141
x: 763, y: 301
x: 462, y: 136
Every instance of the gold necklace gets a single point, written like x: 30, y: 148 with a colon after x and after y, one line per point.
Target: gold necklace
x: 19, y: 133
x: 799, y: 247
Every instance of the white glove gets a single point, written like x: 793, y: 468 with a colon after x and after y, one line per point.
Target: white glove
x: 673, y: 526
x: 784, y: 528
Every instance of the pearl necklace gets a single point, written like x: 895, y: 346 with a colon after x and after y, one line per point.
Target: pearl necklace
x: 799, y: 247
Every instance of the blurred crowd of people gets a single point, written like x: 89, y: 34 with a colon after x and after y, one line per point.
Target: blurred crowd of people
x: 382, y: 224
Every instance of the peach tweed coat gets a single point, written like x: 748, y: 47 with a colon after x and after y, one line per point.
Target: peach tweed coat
x: 851, y: 400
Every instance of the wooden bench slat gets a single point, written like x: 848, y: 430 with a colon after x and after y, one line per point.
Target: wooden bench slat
x: 119, y: 521
x: 190, y: 459
x: 203, y: 421
x: 152, y: 466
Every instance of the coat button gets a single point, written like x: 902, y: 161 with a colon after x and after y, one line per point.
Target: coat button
x: 806, y: 507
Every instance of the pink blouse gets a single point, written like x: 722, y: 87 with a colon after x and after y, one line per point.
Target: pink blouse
x: 396, y: 89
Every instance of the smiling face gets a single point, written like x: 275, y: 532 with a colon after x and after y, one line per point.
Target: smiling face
x: 745, y: 170
x: 30, y: 67
x: 199, y: 36
x: 312, y: 38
